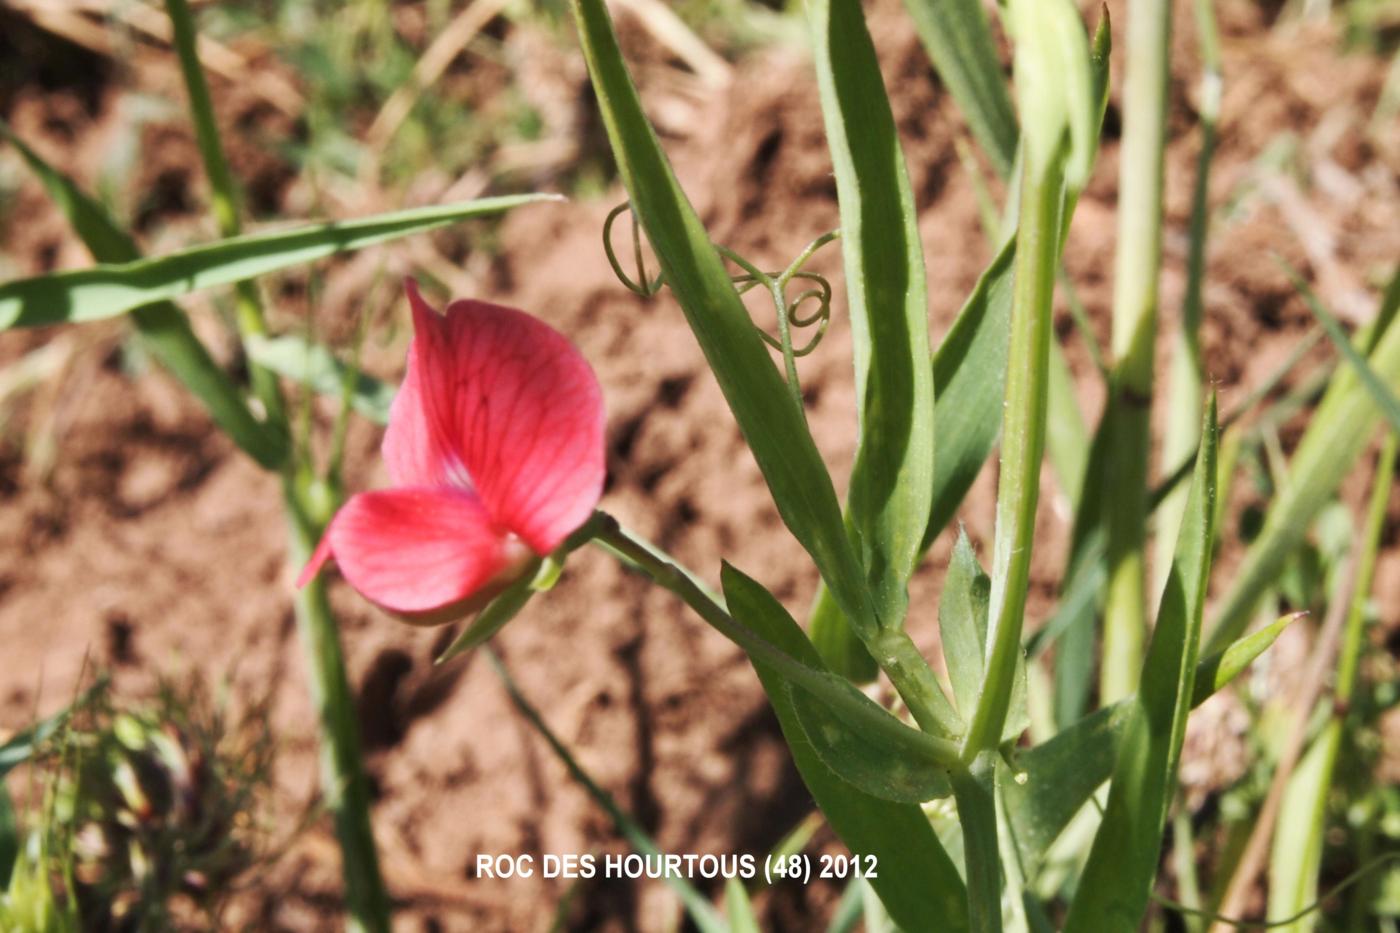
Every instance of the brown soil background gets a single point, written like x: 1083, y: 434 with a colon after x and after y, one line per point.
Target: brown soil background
x: 133, y: 533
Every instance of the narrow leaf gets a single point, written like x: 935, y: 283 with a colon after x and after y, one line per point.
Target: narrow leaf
x: 317, y: 368
x: 962, y: 622
x: 739, y: 909
x: 892, y: 480
x: 162, y: 326
x: 109, y: 290
x: 959, y: 42
x: 773, y: 425
x: 1296, y: 855
x: 969, y: 374
x: 1224, y: 666
x: 1113, y: 889
x: 861, y: 759
x: 1338, y: 432
x: 1380, y: 392
x: 916, y: 879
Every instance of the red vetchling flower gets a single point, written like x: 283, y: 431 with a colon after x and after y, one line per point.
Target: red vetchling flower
x: 495, y: 455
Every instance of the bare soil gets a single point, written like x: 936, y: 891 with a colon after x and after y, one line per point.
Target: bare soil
x: 133, y: 537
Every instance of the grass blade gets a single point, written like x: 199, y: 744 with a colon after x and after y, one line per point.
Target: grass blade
x: 1114, y: 887
x: 162, y: 326
x: 108, y: 290
x: 1380, y: 392
x: 1296, y: 856
x: 917, y: 880
x: 959, y: 42
x: 1339, y: 430
x: 706, y: 918
x: 892, y: 480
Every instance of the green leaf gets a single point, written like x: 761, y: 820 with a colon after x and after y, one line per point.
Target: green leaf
x: 770, y: 420
x: 316, y: 367
x: 163, y: 328
x: 969, y: 374
x: 959, y: 42
x: 108, y: 290
x: 739, y: 909
x: 1054, y: 87
x: 1380, y: 392
x: 1055, y: 779
x: 1339, y: 431
x: 916, y: 879
x: 492, y: 619
x: 1296, y: 856
x: 701, y: 912
x: 892, y: 479
x: 859, y: 758
x: 1114, y: 887
x: 539, y: 577
x: 1224, y: 666
x: 962, y: 622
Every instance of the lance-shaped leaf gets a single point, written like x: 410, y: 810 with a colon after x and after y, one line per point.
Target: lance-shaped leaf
x: 892, y: 480
x: 962, y: 622
x: 969, y: 374
x: 770, y: 420
x: 108, y: 290
x: 1113, y: 890
x: 959, y: 42
x: 163, y: 328
x: 1054, y: 780
x: 916, y: 881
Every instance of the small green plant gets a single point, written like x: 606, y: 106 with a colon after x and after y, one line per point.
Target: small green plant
x: 149, y: 813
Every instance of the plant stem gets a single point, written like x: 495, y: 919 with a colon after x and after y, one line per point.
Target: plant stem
x: 346, y: 791
x: 223, y: 196
x: 342, y: 774
x: 1187, y: 369
x: 664, y: 572
x: 1022, y: 446
x: 1138, y: 263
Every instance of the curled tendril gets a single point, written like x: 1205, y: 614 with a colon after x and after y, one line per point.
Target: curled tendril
x: 775, y: 284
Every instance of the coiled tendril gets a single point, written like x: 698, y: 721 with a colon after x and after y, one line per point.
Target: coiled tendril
x: 776, y: 284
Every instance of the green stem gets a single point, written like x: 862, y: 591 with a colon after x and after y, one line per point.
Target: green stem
x: 346, y: 790
x: 1022, y: 446
x: 1138, y: 263
x: 1187, y: 367
x: 1352, y: 641
x: 664, y: 572
x: 342, y: 774
x: 223, y: 196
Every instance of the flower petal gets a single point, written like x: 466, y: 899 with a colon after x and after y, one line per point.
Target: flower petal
x: 411, y: 449
x: 520, y: 408
x: 417, y: 550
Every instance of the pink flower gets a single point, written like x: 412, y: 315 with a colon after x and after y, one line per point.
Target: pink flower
x: 495, y: 455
